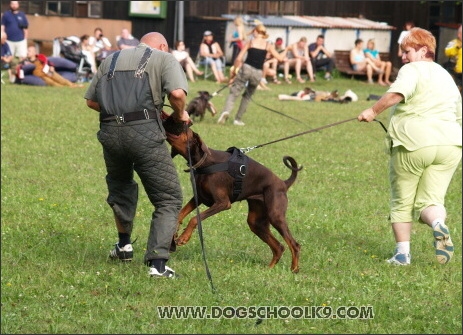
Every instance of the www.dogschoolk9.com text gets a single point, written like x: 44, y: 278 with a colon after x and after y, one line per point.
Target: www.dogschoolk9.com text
x: 265, y: 312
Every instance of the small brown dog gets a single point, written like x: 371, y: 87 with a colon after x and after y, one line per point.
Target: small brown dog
x: 223, y: 177
x: 198, y: 106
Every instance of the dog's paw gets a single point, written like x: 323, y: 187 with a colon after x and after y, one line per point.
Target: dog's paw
x: 183, y: 239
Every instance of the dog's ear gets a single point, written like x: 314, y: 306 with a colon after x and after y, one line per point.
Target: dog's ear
x: 201, y: 143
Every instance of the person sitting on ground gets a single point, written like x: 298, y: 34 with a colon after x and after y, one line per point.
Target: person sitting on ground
x: 185, y: 60
x: 212, y: 53
x: 44, y: 69
x: 298, y: 57
x: 126, y: 40
x: 321, y: 57
x: 360, y: 62
x: 7, y: 58
x: 385, y: 67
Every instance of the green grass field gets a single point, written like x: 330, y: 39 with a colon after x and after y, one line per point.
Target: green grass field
x: 57, y: 229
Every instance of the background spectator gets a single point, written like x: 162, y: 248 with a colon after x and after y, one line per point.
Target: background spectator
x: 126, y: 40
x: 279, y: 47
x: 100, y: 44
x: 238, y: 37
x: 321, y: 57
x: 15, y: 24
x: 385, y: 68
x: 213, y: 55
x: 45, y: 69
x: 87, y: 51
x: 453, y: 49
x: 185, y: 60
x: 271, y: 68
x: 7, y: 57
x: 407, y: 26
x: 360, y: 62
x: 298, y: 57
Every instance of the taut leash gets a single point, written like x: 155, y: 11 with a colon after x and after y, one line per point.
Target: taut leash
x: 275, y: 111
x: 245, y: 150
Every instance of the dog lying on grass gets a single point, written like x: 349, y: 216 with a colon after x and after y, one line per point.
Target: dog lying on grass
x: 224, y: 177
x: 308, y: 94
x: 198, y: 106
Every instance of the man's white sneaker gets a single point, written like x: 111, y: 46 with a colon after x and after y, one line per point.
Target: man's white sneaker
x: 168, y: 273
x: 124, y: 254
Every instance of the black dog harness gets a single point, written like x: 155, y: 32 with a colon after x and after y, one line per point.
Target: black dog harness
x: 236, y: 166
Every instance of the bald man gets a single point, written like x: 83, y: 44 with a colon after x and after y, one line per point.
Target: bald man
x: 128, y: 91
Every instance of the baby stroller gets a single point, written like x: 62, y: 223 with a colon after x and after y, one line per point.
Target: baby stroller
x: 69, y: 48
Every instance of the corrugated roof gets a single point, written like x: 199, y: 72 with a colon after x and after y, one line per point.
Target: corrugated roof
x: 270, y: 21
x: 315, y: 22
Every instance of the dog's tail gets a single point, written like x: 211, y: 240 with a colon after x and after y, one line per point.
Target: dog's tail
x: 291, y: 163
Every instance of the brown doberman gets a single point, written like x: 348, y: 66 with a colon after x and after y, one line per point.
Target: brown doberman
x: 223, y: 177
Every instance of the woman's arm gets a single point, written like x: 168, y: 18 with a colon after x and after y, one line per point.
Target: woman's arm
x: 386, y: 101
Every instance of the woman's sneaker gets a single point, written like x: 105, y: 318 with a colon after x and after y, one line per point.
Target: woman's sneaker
x: 223, y: 117
x: 124, y: 254
x: 400, y: 259
x: 168, y: 273
x: 443, y: 243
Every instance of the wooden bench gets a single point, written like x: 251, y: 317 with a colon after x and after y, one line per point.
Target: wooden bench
x: 342, y: 63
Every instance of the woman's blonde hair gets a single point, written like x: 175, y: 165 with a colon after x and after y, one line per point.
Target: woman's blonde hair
x: 261, y: 30
x: 238, y: 20
x: 418, y: 38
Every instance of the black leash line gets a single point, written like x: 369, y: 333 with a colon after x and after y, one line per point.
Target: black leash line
x: 218, y: 91
x: 200, y: 226
x: 382, y: 125
x: 274, y: 111
x: 245, y: 150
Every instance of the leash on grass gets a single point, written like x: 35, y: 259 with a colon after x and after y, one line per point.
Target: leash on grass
x: 200, y: 226
x: 246, y: 150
